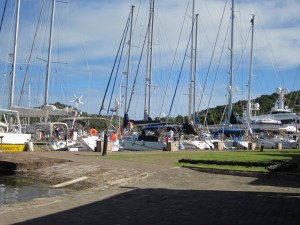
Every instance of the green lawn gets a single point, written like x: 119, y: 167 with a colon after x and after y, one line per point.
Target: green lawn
x: 244, y: 156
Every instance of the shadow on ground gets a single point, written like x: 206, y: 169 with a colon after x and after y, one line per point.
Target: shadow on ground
x: 277, y: 182
x: 275, y: 179
x: 163, y: 206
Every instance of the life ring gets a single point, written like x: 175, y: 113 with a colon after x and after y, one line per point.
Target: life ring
x: 93, y: 132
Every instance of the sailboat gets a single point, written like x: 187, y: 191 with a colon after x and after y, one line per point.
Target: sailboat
x: 193, y: 140
x: 52, y: 134
x: 273, y: 121
x: 11, y: 138
x: 263, y: 123
x: 232, y: 128
x: 257, y: 123
x: 47, y: 110
x: 151, y: 137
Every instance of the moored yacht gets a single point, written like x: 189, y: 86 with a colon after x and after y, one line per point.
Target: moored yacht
x: 273, y: 141
x: 280, y: 112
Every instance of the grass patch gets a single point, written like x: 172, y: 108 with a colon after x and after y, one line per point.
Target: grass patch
x: 244, y: 156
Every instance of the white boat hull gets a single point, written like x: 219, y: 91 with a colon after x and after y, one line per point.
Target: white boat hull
x: 91, y: 143
x: 188, y: 144
x: 272, y: 142
x: 14, y: 142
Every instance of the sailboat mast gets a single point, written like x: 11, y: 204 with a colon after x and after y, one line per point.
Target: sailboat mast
x: 128, y: 60
x: 191, y: 66
x: 195, y: 70
x: 250, y: 75
x: 230, y: 89
x: 150, y: 62
x: 12, y: 87
x: 147, y: 102
x: 49, y: 55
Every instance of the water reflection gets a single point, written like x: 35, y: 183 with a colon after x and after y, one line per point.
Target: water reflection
x: 18, y: 188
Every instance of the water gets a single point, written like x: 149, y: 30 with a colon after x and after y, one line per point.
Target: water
x: 18, y: 189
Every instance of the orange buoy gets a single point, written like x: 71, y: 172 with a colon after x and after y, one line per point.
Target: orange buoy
x: 114, y: 137
x: 93, y: 132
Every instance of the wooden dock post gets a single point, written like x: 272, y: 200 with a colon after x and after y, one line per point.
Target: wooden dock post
x: 278, y: 146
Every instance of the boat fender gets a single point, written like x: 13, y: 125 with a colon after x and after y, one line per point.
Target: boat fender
x: 29, y: 146
x: 181, y: 146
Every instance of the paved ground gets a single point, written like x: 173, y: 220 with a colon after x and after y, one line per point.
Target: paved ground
x: 121, y: 192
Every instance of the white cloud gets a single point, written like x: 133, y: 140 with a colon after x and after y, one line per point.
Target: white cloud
x: 87, y: 35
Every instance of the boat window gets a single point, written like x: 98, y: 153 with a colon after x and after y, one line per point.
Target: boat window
x: 287, y: 121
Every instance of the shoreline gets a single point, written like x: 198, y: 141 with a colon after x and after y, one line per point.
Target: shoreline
x: 56, y: 167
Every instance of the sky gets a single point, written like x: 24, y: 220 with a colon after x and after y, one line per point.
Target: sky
x: 87, y: 35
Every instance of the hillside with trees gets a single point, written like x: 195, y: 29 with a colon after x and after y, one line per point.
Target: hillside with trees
x: 217, y: 114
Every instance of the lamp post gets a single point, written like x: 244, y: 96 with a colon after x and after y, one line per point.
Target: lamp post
x: 104, y: 152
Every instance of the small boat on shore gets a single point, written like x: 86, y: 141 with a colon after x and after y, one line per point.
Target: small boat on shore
x: 11, y: 138
x: 53, y: 134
